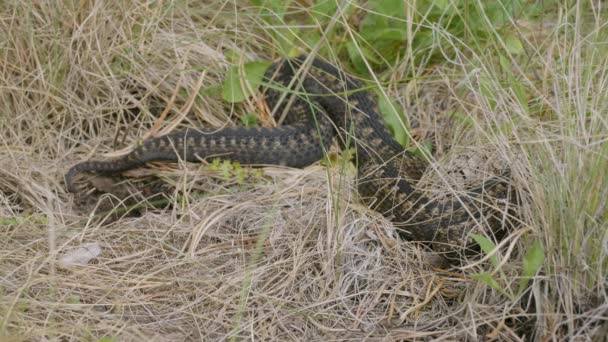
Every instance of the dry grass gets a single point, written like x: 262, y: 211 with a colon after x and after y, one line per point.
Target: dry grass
x: 288, y: 254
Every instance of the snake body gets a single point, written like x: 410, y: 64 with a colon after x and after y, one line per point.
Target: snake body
x: 328, y: 104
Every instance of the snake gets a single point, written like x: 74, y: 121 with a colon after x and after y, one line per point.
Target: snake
x: 318, y: 103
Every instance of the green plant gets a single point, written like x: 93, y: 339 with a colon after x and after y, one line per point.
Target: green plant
x: 533, y: 259
x: 230, y: 170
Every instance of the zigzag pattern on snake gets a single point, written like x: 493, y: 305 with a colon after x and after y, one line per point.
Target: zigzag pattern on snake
x: 329, y: 103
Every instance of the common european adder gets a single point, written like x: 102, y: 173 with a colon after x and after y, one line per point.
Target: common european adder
x: 328, y: 104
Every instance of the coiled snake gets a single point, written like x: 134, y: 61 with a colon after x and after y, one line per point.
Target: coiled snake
x: 330, y: 104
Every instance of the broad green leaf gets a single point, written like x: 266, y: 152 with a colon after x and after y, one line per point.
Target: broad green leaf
x: 322, y: 10
x: 212, y: 90
x: 518, y: 88
x: 487, y: 279
x: 521, y: 93
x: 533, y: 260
x: 513, y: 7
x: 495, y: 13
x: 398, y: 34
x: 356, y: 55
x: 310, y: 38
x: 231, y: 88
x: 513, y: 44
x: 383, y: 14
x: 486, y: 246
x: 238, y: 86
x: 392, y: 114
x: 382, y: 31
x: 232, y: 56
x: 423, y: 40
x: 389, y: 8
x: 441, y: 4
x: 249, y: 119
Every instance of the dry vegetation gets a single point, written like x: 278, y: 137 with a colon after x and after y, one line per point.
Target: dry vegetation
x: 286, y: 254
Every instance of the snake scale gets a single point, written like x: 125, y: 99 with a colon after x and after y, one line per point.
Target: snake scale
x: 329, y: 104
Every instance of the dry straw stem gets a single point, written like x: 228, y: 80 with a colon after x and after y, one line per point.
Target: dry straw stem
x: 289, y: 254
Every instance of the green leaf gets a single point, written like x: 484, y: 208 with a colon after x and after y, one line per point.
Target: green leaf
x: 516, y: 85
x: 322, y: 10
x: 310, y: 38
x: 393, y: 117
x: 388, y: 8
x: 231, y: 56
x: 240, y: 81
x: 423, y: 40
x: 424, y: 149
x: 533, y: 260
x: 513, y: 44
x: 396, y: 34
x: 383, y: 14
x: 486, y: 89
x: 357, y: 55
x: 249, y: 119
x: 486, y: 246
x: 441, y: 4
x: 521, y: 93
x: 487, y: 279
x: 504, y: 63
x: 211, y: 90
x: 231, y: 88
